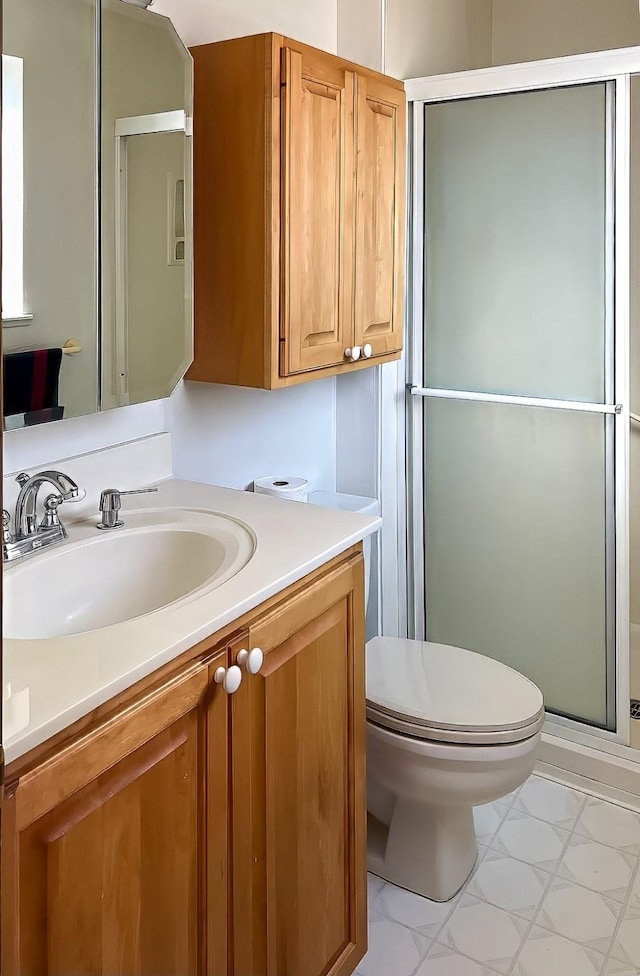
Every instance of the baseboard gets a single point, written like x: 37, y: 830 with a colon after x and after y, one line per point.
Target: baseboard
x: 598, y: 773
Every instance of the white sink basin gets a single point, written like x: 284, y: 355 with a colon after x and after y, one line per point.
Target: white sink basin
x: 97, y: 579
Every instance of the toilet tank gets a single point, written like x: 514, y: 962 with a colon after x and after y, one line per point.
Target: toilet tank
x: 352, y: 503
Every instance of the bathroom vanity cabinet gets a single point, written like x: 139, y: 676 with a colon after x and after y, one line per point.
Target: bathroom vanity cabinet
x: 183, y: 829
x: 299, y: 213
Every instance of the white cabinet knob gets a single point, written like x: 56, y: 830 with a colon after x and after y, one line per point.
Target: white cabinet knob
x: 367, y: 350
x: 353, y: 353
x: 251, y: 660
x: 229, y: 678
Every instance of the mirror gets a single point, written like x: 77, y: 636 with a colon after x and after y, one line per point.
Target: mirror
x: 147, y: 85
x: 96, y: 223
x: 49, y: 209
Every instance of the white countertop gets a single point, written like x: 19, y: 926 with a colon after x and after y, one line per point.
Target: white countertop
x: 49, y: 684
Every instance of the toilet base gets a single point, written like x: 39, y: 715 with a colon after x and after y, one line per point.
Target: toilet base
x: 430, y: 850
x: 422, y: 793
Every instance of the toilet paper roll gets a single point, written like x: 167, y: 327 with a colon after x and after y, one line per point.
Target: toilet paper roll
x: 295, y: 489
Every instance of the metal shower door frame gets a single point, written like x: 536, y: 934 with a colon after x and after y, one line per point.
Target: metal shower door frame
x: 606, y: 67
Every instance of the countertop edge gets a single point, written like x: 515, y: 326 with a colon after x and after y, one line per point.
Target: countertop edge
x: 24, y: 741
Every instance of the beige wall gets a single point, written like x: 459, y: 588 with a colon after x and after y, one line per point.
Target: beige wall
x: 57, y: 42
x: 425, y: 37
x: 360, y: 32
x: 527, y: 31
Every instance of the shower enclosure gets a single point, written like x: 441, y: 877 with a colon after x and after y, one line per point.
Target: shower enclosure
x: 518, y: 377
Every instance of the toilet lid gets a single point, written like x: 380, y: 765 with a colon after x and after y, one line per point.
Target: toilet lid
x: 448, y: 693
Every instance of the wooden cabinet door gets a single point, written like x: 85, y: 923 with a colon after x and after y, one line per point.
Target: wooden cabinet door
x: 298, y: 781
x: 317, y: 211
x: 112, y: 852
x: 380, y: 215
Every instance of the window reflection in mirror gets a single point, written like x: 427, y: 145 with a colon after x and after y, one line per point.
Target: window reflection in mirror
x: 13, y: 187
x: 50, y: 207
x: 83, y: 332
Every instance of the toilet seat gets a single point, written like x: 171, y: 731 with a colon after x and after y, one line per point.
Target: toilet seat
x: 461, y: 737
x: 447, y: 694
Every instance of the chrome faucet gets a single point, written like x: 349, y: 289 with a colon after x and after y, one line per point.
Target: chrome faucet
x: 26, y: 519
x: 30, y: 537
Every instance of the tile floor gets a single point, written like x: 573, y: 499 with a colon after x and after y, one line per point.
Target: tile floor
x: 555, y: 892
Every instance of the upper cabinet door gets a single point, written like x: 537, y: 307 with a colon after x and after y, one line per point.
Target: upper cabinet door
x: 317, y: 211
x: 380, y: 215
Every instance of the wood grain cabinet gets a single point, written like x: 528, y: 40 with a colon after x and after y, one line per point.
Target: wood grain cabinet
x: 107, y: 863
x: 298, y: 786
x: 299, y: 213
x: 191, y: 831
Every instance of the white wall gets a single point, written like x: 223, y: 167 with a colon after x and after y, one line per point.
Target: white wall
x: 222, y: 434
x: 202, y: 21
x: 229, y: 435
x: 42, y: 446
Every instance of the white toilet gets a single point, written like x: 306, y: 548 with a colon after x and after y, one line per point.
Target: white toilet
x: 447, y: 730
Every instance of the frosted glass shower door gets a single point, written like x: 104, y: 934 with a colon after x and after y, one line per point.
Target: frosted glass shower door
x: 518, y: 388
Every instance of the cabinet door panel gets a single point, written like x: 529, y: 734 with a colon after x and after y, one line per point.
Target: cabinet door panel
x: 317, y: 212
x: 112, y: 878
x: 380, y: 215
x: 112, y: 871
x: 308, y: 792
x: 299, y: 833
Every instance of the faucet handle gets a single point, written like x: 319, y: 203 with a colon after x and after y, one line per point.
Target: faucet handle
x: 22, y: 478
x: 6, y: 523
x: 51, y: 505
x: 7, y: 537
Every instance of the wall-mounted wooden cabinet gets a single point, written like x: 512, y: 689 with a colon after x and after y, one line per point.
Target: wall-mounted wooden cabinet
x: 196, y: 828
x: 299, y: 213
